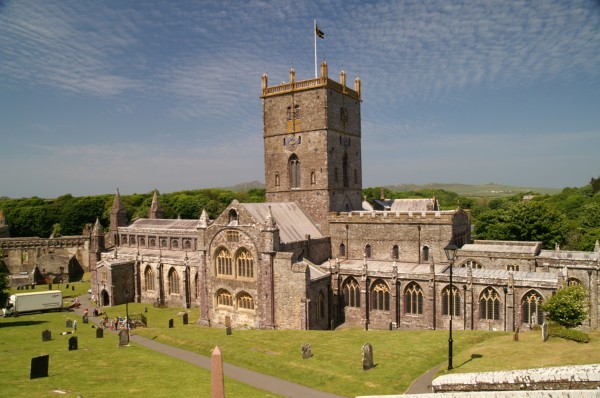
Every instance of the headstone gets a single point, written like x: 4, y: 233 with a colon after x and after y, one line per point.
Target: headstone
x: 306, y: 351
x: 228, y: 325
x: 72, y: 343
x: 50, y: 286
x: 545, y: 331
x: 67, y: 285
x: 367, y: 356
x: 185, y: 318
x: 516, y: 335
x: 123, y: 337
x: 171, y: 323
x: 73, y: 287
x: 99, y: 333
x: 145, y: 309
x: 39, y: 366
x: 85, y: 318
x: 46, y: 335
x: 32, y: 286
x: 217, y: 388
x: 69, y: 324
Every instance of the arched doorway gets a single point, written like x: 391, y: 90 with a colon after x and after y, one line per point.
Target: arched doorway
x: 105, y: 298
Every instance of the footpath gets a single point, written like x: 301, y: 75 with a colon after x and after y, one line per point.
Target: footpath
x: 261, y: 381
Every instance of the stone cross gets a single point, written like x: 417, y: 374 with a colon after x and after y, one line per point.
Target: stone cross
x: 217, y: 388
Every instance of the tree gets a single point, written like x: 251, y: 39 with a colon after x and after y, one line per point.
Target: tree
x: 524, y: 221
x: 568, y: 307
x: 3, y: 289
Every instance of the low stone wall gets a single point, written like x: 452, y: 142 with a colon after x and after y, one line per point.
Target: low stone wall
x: 582, y: 377
x: 500, y: 394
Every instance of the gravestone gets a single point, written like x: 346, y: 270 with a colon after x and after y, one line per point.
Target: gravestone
x: 69, y: 324
x: 545, y: 331
x: 171, y: 323
x: 217, y: 386
x: 367, y: 356
x: 73, y: 287
x: 228, y: 325
x: 32, y: 287
x: 46, y: 335
x: 185, y: 318
x: 145, y: 309
x: 516, y: 335
x: 73, y: 343
x: 67, y: 285
x: 39, y: 366
x: 123, y: 337
x: 50, y: 286
x: 85, y: 318
x: 99, y: 333
x: 306, y: 351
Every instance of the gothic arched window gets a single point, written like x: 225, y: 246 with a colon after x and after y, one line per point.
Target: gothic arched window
x: 245, y: 301
x: 224, y: 298
x: 413, y: 299
x: 531, y: 306
x: 425, y: 253
x: 173, y: 281
x: 342, y: 250
x: 395, y: 252
x: 489, y: 305
x: 351, y: 291
x: 451, y: 301
x: 294, y: 171
x: 245, y: 264
x: 149, y: 278
x: 223, y: 262
x: 368, y: 251
x: 380, y: 296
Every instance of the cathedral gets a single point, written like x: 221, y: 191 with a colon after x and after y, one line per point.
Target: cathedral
x: 315, y: 256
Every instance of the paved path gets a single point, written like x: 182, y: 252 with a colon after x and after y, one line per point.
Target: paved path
x: 422, y: 384
x: 258, y: 380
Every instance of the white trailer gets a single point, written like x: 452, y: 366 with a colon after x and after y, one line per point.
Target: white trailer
x: 21, y: 303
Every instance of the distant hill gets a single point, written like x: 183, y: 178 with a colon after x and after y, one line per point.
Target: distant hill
x: 245, y: 186
x: 486, y: 190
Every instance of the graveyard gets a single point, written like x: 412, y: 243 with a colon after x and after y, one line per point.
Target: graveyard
x: 335, y: 363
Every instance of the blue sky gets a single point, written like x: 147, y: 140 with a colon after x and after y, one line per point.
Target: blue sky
x: 138, y: 95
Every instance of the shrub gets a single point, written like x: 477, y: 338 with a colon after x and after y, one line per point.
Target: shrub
x: 555, y: 330
x: 568, y: 307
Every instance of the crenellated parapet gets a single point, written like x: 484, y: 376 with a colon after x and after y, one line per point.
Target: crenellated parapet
x: 32, y: 243
x: 309, y: 84
x: 393, y: 217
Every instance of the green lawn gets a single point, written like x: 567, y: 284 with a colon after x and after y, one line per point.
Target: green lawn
x: 401, y: 356
x: 98, y: 368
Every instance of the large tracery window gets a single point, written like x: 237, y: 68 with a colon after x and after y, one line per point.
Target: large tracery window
x: 149, y: 278
x: 413, y: 299
x: 245, y: 301
x: 532, y: 308
x: 380, y: 296
x: 294, y: 171
x: 224, y: 298
x: 451, y: 301
x: 489, y: 305
x: 245, y: 264
x: 173, y: 281
x: 351, y: 291
x: 223, y: 262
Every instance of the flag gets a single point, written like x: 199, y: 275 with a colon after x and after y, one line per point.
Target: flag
x: 319, y: 32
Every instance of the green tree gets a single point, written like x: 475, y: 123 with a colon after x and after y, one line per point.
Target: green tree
x: 568, y: 307
x: 3, y: 289
x: 524, y: 221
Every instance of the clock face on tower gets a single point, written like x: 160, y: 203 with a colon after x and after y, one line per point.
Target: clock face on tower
x: 292, y: 143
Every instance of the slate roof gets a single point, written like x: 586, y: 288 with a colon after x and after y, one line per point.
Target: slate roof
x: 293, y: 223
x: 415, y: 205
x: 163, y: 224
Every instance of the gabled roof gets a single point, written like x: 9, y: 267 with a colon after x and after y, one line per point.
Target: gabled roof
x: 293, y: 223
x: 414, y: 205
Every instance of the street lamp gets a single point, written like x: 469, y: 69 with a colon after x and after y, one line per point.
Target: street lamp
x: 450, y: 251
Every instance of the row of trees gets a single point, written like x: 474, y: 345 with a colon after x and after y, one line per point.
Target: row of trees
x: 570, y: 219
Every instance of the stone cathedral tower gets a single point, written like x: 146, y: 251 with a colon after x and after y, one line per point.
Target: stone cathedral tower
x: 312, y: 144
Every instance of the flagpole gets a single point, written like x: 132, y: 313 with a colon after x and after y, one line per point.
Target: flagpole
x: 315, y: 34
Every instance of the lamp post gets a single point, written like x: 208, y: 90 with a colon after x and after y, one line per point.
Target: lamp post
x: 450, y: 254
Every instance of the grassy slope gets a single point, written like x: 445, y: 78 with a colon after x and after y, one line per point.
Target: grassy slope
x: 487, y: 190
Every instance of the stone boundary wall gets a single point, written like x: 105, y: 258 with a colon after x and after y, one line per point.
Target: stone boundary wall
x: 581, y: 377
x: 500, y: 394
